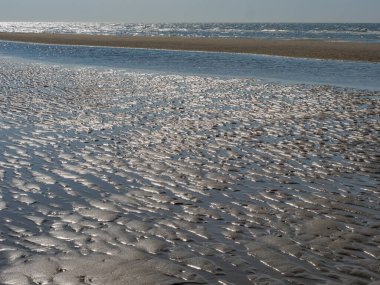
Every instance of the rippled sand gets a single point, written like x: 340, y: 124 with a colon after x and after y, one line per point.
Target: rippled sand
x: 108, y: 177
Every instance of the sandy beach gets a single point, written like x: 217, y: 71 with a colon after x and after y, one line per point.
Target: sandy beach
x: 293, y: 48
x: 138, y: 174
x: 115, y: 177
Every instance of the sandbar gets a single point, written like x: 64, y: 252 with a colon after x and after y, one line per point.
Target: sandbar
x: 356, y: 51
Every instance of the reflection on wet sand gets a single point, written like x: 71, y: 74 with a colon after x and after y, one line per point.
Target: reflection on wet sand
x: 125, y: 178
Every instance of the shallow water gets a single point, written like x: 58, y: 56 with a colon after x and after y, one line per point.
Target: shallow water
x: 284, y: 69
x: 115, y: 177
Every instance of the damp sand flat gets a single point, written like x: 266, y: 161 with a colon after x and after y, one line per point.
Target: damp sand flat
x: 294, y: 48
x: 124, y: 178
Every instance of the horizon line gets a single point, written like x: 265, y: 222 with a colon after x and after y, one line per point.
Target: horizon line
x: 186, y: 22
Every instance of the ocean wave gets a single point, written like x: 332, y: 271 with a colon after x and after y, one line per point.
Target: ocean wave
x: 274, y: 31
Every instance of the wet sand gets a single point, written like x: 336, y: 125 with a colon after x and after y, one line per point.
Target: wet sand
x: 292, y: 48
x: 110, y: 177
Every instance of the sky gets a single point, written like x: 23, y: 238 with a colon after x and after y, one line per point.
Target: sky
x: 151, y: 11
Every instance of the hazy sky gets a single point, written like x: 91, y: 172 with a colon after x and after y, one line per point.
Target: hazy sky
x: 191, y: 10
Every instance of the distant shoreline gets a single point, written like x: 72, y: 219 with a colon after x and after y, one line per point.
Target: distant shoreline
x: 356, y: 51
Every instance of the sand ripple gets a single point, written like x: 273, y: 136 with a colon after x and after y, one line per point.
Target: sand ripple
x: 108, y: 177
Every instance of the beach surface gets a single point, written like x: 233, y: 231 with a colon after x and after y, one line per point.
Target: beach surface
x: 355, y: 51
x: 116, y: 177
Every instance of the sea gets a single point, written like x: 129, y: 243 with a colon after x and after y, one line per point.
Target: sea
x: 366, y: 32
x: 273, y: 68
